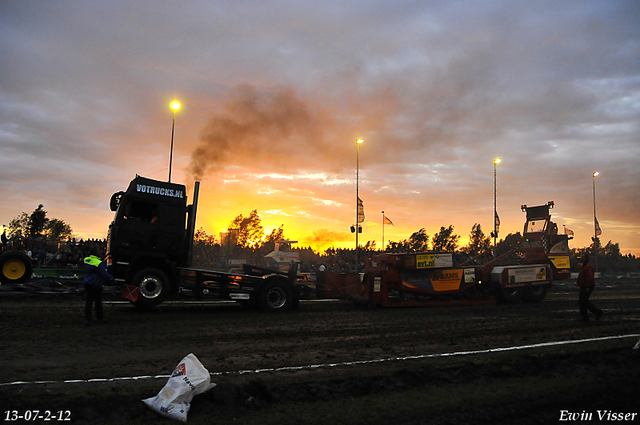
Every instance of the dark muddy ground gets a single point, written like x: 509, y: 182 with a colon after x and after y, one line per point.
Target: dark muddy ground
x: 330, y: 361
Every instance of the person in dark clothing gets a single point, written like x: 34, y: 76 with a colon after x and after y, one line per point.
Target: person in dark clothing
x: 586, y: 283
x: 95, y: 274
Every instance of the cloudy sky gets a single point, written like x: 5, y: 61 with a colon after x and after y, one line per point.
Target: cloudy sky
x: 275, y: 93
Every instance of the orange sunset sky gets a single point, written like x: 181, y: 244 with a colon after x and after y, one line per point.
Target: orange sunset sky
x: 274, y: 95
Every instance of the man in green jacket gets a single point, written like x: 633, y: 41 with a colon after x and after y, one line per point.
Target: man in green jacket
x: 95, y: 274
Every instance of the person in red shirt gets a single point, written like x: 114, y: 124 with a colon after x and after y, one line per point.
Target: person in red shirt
x: 587, y: 282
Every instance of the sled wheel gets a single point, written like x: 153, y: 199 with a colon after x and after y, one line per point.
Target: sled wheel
x: 535, y: 293
x: 511, y: 295
x: 154, y: 287
x: 16, y: 267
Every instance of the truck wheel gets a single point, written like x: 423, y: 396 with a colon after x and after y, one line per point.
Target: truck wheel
x: 154, y: 287
x: 276, y: 296
x: 511, y: 295
x: 535, y: 293
x: 15, y: 267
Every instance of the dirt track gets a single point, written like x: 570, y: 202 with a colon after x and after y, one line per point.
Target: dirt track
x: 43, y: 339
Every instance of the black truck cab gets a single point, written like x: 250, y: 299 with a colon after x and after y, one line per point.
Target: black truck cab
x: 150, y: 219
x: 149, y: 252
x: 149, y: 231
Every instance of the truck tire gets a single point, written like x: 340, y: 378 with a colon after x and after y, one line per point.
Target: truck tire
x: 154, y: 287
x: 276, y: 295
x: 511, y: 295
x: 535, y: 293
x: 15, y: 267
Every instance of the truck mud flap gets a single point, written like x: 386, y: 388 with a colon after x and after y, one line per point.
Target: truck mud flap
x: 130, y: 292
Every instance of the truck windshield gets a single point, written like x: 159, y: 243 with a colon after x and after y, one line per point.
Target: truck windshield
x: 534, y: 226
x: 141, y: 211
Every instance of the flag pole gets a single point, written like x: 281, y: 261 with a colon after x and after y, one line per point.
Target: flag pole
x: 383, y: 231
x: 595, y: 224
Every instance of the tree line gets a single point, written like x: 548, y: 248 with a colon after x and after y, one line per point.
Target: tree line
x: 38, y: 225
x: 246, y: 240
x: 49, y: 241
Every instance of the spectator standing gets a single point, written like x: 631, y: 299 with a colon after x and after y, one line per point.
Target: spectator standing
x: 95, y: 274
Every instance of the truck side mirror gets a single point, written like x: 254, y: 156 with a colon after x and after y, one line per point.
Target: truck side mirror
x: 115, y: 200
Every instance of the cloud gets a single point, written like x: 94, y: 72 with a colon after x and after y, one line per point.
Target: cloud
x: 274, y: 96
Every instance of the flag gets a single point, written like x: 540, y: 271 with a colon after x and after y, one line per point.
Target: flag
x: 386, y: 220
x: 360, y: 211
x: 598, y: 230
x: 497, y: 222
x: 568, y: 232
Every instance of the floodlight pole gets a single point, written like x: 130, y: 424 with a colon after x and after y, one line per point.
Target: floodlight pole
x: 595, y: 224
x: 174, y: 107
x: 358, y: 142
x: 171, y: 152
x: 495, y: 210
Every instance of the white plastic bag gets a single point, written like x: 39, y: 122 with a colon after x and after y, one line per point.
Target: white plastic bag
x: 188, y: 379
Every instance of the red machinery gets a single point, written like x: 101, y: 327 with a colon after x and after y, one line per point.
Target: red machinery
x: 542, y: 243
x: 432, y: 278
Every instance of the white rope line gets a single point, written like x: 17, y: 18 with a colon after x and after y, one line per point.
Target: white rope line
x: 427, y: 356
x: 340, y: 364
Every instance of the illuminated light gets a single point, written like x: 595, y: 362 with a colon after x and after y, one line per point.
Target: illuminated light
x: 596, y: 174
x: 359, y: 141
x: 175, y: 105
x: 497, y: 160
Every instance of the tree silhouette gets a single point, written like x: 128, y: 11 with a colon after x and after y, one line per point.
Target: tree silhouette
x: 37, y: 221
x: 478, y: 241
x: 417, y: 242
x: 445, y: 240
x: 250, y: 230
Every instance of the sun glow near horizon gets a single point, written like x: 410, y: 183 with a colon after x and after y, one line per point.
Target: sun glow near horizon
x: 319, y: 215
